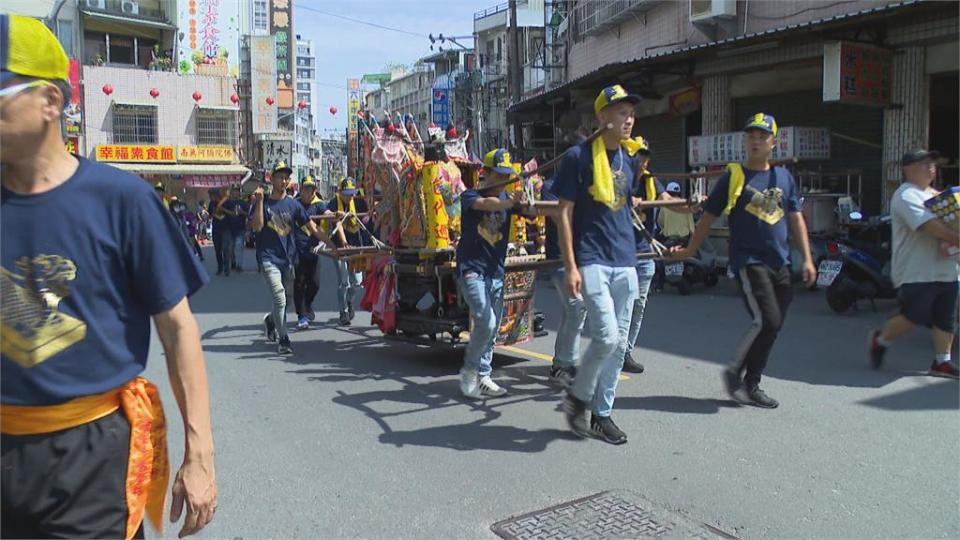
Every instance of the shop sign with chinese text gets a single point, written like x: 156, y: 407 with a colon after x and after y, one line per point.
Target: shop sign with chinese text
x: 205, y: 154
x: 136, y: 153
x: 856, y: 73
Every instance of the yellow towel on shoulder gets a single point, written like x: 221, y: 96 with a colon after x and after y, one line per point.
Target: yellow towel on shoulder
x: 603, y: 190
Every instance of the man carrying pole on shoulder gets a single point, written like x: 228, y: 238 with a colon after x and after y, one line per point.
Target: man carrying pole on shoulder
x: 762, y: 206
x: 84, y: 451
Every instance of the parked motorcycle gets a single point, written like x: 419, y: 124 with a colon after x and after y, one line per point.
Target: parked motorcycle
x: 858, y: 266
x: 701, y: 268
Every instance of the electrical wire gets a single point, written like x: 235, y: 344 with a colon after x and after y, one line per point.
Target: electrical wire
x: 359, y: 21
x: 802, y: 11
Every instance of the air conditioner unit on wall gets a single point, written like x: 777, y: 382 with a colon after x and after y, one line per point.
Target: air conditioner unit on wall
x: 711, y: 10
x: 96, y: 4
x: 130, y: 7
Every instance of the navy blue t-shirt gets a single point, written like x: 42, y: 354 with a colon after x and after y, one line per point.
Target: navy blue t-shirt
x: 552, y: 243
x: 306, y: 241
x: 237, y: 220
x: 276, y: 242
x: 218, y: 219
x: 483, y: 237
x: 354, y: 239
x: 84, y: 267
x: 601, y: 235
x: 649, y: 215
x: 758, y: 229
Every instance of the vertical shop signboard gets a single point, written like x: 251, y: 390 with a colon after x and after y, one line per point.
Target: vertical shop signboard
x: 281, y: 28
x: 263, y: 83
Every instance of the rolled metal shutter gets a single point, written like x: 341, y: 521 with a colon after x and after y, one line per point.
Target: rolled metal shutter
x: 668, y: 141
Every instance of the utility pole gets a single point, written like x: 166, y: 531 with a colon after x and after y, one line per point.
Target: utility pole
x: 514, y: 75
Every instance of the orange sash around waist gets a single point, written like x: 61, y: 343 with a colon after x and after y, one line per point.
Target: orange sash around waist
x: 148, y: 468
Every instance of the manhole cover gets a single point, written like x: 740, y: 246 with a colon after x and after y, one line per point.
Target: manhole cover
x: 606, y: 515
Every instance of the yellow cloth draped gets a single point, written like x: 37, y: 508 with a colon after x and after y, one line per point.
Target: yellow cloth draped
x: 737, y: 179
x: 603, y: 191
x: 350, y: 224
x: 148, y: 467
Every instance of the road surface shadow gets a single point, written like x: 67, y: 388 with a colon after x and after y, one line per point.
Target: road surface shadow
x: 677, y: 404
x: 937, y: 396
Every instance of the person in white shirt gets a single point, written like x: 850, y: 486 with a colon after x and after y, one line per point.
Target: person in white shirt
x: 927, y: 279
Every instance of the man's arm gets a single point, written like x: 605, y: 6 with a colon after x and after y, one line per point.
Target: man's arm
x: 699, y: 235
x: 494, y: 204
x: 565, y: 230
x: 798, y: 230
x: 195, y: 483
x: 257, y: 222
x: 940, y: 230
x: 320, y: 235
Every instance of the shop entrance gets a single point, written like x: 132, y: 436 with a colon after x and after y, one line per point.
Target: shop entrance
x: 945, y: 123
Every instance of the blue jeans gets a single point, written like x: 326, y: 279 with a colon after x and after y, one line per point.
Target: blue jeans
x: 566, y: 351
x: 279, y: 279
x: 608, y: 294
x: 484, y: 297
x: 239, y: 244
x: 645, y: 272
x: 348, y: 285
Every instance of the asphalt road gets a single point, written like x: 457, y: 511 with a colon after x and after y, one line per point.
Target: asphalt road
x: 356, y: 436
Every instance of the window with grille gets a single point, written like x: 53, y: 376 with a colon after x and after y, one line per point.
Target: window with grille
x: 261, y: 21
x: 217, y: 127
x: 134, y: 124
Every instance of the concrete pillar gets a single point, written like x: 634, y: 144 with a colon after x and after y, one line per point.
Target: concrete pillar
x: 906, y: 125
x: 717, y: 105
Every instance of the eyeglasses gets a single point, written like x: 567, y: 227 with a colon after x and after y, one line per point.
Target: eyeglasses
x: 17, y: 88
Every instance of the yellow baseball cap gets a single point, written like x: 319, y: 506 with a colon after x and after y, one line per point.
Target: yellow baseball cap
x: 763, y: 122
x: 498, y: 161
x: 308, y: 182
x: 614, y: 94
x: 29, y: 49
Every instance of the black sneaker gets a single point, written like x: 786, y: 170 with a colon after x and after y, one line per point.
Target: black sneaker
x: 734, y: 385
x: 562, y: 375
x: 269, y: 329
x: 284, y: 347
x: 577, y: 416
x: 875, y: 350
x: 759, y: 398
x: 630, y: 365
x: 604, y: 429
x: 344, y: 318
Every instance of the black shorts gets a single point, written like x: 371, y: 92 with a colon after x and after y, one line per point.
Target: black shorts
x: 932, y: 304
x: 67, y: 484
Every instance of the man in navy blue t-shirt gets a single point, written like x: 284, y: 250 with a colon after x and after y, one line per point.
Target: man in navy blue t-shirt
x: 221, y: 228
x: 760, y: 202
x: 89, y: 256
x: 595, y: 185
x: 237, y: 212
x: 481, y: 254
x: 346, y: 204
x: 274, y: 219
x: 307, y: 273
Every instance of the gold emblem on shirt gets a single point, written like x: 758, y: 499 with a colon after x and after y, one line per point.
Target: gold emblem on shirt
x: 281, y: 223
x: 766, y: 205
x: 621, y: 188
x: 490, y: 227
x: 32, y: 327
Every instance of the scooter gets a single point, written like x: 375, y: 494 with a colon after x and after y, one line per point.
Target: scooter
x: 858, y: 266
x: 701, y: 268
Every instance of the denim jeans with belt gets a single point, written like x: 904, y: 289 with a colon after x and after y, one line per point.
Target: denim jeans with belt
x: 280, y: 281
x: 645, y: 272
x: 484, y: 297
x: 608, y: 294
x: 566, y: 350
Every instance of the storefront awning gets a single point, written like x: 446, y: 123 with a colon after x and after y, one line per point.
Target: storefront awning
x: 183, y: 169
x: 127, y: 20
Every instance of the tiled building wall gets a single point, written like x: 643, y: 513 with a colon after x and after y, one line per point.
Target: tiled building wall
x: 176, y: 120
x: 667, y: 27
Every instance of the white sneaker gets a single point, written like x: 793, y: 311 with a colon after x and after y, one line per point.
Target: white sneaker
x: 489, y: 388
x: 468, y: 384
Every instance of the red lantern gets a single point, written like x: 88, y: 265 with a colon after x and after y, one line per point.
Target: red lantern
x: 107, y: 89
x: 302, y: 104
x: 235, y: 99
x: 197, y: 96
x: 269, y: 100
x: 333, y: 110
x: 154, y: 93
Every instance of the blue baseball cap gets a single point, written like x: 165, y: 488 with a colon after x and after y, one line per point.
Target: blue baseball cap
x: 614, y: 94
x: 499, y: 162
x: 763, y: 122
x: 348, y: 187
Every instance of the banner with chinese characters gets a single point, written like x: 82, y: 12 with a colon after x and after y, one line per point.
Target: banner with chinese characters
x: 263, y: 83
x: 136, y: 153
x: 274, y: 151
x: 856, y: 73
x: 209, y: 37
x: 210, y: 180
x: 281, y: 28
x: 803, y: 143
x: 441, y: 111
x: 205, y: 154
x: 353, y: 104
x: 73, y: 145
x: 73, y: 113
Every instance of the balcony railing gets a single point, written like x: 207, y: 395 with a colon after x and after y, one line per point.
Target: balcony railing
x: 491, y: 11
x: 597, y: 16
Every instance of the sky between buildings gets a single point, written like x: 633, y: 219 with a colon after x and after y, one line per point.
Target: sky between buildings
x: 348, y: 49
